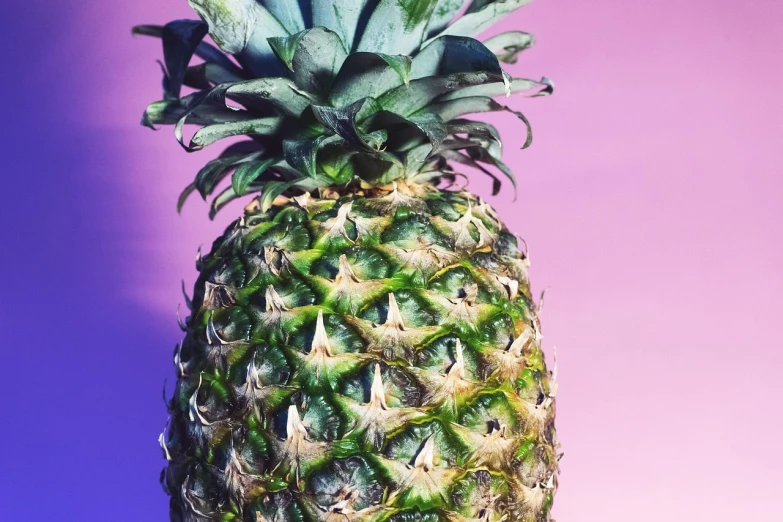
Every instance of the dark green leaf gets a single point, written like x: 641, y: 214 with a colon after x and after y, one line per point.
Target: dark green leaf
x: 368, y: 74
x: 217, y: 169
x: 180, y: 40
x: 241, y: 27
x: 342, y: 120
x: 272, y: 189
x: 454, y: 54
x: 481, y: 15
x: 396, y: 26
x: 169, y: 112
x: 206, y: 51
x: 184, y: 196
x: 508, y: 45
x: 246, y: 173
x: 302, y: 154
x: 224, y: 198
x: 207, y: 75
x: 314, y: 55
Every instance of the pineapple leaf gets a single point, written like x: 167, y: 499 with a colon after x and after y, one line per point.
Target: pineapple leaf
x: 272, y: 189
x: 248, y: 172
x: 224, y: 198
x: 302, y: 154
x: 214, y: 171
x: 241, y: 27
x: 281, y: 93
x: 206, y: 75
x: 314, y: 55
x: 406, y: 100
x: 368, y: 74
x: 529, y: 88
x: 184, y: 195
x: 454, y: 108
x: 294, y: 15
x: 169, y: 112
x: 481, y: 15
x: 508, y: 45
x: 454, y: 54
x: 443, y: 14
x: 341, y: 16
x: 342, y: 120
x: 206, y: 51
x: 208, y: 135
x: 396, y: 26
x: 180, y: 40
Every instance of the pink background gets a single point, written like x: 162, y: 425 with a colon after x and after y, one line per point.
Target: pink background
x: 651, y: 201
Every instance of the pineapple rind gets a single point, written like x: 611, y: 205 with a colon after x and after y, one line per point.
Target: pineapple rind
x: 306, y: 392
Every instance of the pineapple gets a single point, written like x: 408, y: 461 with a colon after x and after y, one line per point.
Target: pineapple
x: 362, y: 343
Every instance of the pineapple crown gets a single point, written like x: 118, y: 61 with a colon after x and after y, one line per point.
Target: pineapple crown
x: 334, y: 92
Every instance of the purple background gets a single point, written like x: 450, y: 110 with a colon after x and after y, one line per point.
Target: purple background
x: 651, y: 200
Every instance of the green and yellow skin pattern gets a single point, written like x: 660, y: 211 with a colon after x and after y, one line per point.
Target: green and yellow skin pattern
x: 363, y: 355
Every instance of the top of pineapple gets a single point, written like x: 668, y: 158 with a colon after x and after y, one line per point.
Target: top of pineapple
x: 334, y: 92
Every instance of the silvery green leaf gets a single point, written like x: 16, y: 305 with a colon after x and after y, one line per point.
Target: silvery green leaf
x: 454, y: 54
x: 473, y: 105
x: 294, y: 15
x: 368, y: 74
x: 443, y: 14
x: 314, y: 55
x: 508, y: 45
x: 429, y: 126
x: 180, y: 40
x: 254, y: 127
x: 281, y: 93
x: 458, y: 157
x: 248, y: 172
x: 396, y: 26
x: 341, y: 16
x: 405, y: 100
x: 528, y: 88
x: 481, y: 15
x: 169, y: 112
x: 241, y: 27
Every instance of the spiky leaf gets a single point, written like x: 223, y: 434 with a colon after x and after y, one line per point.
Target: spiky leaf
x: 396, y: 26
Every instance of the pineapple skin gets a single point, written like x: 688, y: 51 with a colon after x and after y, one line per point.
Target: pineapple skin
x: 363, y: 356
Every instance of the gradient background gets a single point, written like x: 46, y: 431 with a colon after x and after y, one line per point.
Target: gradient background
x: 651, y: 200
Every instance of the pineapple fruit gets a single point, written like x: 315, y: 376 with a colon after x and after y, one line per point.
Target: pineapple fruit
x: 362, y: 343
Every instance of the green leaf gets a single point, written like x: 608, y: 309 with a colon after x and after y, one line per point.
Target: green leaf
x: 430, y: 126
x: 207, y: 75
x: 314, y: 55
x: 169, y: 112
x: 528, y: 88
x: 180, y: 40
x: 272, y: 189
x: 420, y: 93
x: 454, y: 54
x: 302, y: 154
x: 368, y: 74
x: 473, y: 105
x: 280, y: 93
x: 224, y: 198
x: 396, y: 26
x: 247, y: 173
x: 443, y: 14
x: 241, y: 27
x: 508, y: 45
x: 254, y: 127
x: 481, y: 15
x: 342, y: 120
x: 206, y: 51
x: 215, y: 170
x: 341, y: 16
x: 184, y: 196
